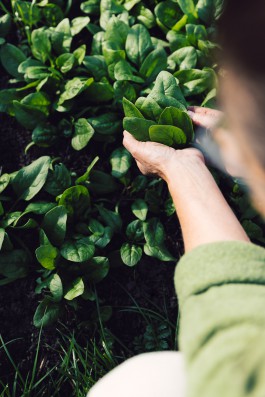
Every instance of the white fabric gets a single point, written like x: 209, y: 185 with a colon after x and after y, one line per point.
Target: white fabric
x: 159, y: 374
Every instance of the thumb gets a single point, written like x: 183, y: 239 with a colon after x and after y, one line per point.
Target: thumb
x: 132, y: 145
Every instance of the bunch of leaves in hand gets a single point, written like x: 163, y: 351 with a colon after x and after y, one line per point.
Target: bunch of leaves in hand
x: 161, y: 116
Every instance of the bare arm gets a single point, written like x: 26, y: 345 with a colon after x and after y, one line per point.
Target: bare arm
x: 204, y: 214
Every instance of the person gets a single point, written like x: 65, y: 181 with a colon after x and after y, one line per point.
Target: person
x: 220, y: 281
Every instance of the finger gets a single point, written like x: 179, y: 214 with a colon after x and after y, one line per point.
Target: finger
x: 132, y: 145
x: 204, y: 111
x: 203, y: 120
x: 196, y: 109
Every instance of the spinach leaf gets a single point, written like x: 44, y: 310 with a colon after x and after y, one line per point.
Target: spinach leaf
x: 138, y: 44
x: 11, y: 57
x: 30, y: 179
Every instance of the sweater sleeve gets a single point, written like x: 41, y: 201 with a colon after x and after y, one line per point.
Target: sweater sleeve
x: 221, y: 292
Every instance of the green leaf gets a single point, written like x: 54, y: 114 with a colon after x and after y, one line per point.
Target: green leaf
x: 73, y: 88
x: 131, y: 254
x: 39, y: 207
x: 138, y: 127
x: 177, y: 40
x: 96, y: 65
x: 177, y: 118
x: 77, y: 289
x: 166, y: 88
x: 82, y: 134
x: 110, y: 218
x: 46, y: 313
x: 208, y: 10
x: 79, y: 250
x: 96, y: 227
x: 154, y: 63
x: 58, y: 180
x: 27, y: 11
x: 168, y: 15
x: 123, y: 71
x: 145, y: 16
x: 167, y: 135
x: 91, y: 7
x: 107, y: 9
x: 41, y: 44
x: 134, y: 231
x: 14, y: 264
x: 106, y: 124
x: 140, y: 209
x: 79, y: 54
x: 138, y: 44
x: 195, y: 81
x: 124, y: 89
x: 78, y: 24
x: 154, y: 232
x: 76, y: 200
x: 44, y: 135
x: 4, y: 181
x: 120, y: 161
x: 2, y: 236
x: 149, y: 108
x: 84, y: 178
x: 7, y: 97
x: 66, y: 62
x: 56, y: 288
x: 52, y: 13
x: 185, y: 58
x: 103, y: 240
x: 97, y: 269
x: 61, y: 37
x: 102, y: 183
x: 116, y: 33
x: 47, y: 256
x: 130, y: 110
x: 30, y: 179
x: 11, y: 57
x: 54, y: 225
x: 5, y: 24
x: 99, y: 92
x: 188, y: 7
x: 32, y: 110
x: 160, y: 253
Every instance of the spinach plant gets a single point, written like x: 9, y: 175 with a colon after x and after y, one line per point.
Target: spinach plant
x: 71, y: 70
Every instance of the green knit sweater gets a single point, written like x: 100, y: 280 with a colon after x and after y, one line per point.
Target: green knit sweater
x: 221, y: 292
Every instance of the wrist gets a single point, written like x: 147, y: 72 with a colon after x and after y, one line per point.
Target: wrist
x: 185, y: 165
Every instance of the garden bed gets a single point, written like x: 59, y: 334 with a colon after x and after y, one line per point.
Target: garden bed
x: 88, y: 246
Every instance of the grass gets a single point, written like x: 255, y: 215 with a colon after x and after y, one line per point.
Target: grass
x: 77, y: 370
x: 80, y: 363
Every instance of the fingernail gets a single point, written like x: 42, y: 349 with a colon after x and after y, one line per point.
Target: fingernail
x: 190, y: 113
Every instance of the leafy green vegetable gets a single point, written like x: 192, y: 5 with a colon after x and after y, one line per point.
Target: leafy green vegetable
x: 79, y: 250
x: 30, y: 179
x: 131, y: 254
x: 82, y: 135
x: 73, y: 74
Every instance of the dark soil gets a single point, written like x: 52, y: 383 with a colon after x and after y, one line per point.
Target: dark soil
x: 149, y: 285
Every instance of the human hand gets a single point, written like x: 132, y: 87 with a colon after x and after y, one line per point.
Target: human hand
x: 156, y: 159
x: 204, y: 117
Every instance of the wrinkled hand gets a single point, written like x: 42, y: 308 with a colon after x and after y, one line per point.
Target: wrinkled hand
x: 204, y: 117
x: 156, y: 159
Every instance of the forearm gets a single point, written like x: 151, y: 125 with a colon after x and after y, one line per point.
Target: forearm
x: 204, y: 214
